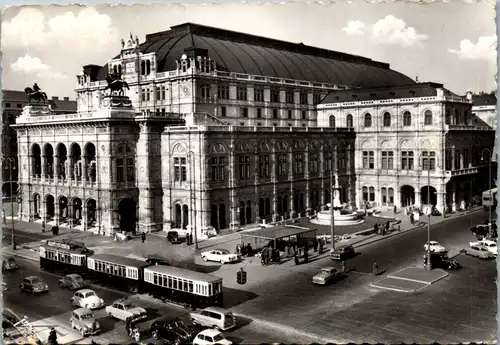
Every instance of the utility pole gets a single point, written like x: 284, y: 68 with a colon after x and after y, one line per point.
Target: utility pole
x: 332, y: 216
x: 10, y: 164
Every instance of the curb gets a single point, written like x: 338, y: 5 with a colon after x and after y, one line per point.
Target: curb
x: 393, y: 288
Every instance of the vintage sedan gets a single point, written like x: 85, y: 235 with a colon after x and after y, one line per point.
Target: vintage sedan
x: 123, y: 310
x: 72, y: 281
x: 435, y: 247
x: 87, y: 298
x: 83, y: 320
x: 9, y: 264
x: 219, y: 255
x: 210, y: 336
x: 479, y: 251
x: 326, y: 275
x: 489, y: 244
x: 34, y: 285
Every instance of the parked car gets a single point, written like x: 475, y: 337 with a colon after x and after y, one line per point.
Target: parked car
x: 435, y: 247
x: 72, y: 281
x: 219, y: 255
x: 34, y: 285
x: 479, y: 252
x: 211, y: 336
x: 123, y: 309
x: 489, y: 244
x: 480, y: 230
x: 83, y: 320
x: 173, y: 237
x: 157, y: 260
x: 441, y: 260
x: 326, y: 275
x: 87, y: 298
x: 342, y: 253
x: 9, y: 264
x: 173, y: 330
x: 215, y: 317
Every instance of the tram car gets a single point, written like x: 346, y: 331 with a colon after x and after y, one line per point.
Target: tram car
x: 64, y: 257
x: 198, y: 290
x: 115, y: 271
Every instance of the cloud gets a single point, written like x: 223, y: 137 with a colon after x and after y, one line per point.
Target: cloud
x: 484, y: 49
x: 85, y: 31
x: 355, y: 27
x: 392, y: 30
x: 34, y: 66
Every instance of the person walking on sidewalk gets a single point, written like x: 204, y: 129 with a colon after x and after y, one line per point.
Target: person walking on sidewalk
x: 43, y: 226
x: 344, y: 269
x: 4, y: 219
x: 321, y: 246
x: 143, y: 237
x: 412, y: 218
x: 395, y: 209
x: 375, y: 268
x: 296, y: 258
x: 315, y: 244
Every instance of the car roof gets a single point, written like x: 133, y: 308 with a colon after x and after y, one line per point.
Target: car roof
x: 73, y: 275
x: 210, y: 332
x: 82, y: 311
x: 32, y: 277
x: 327, y: 268
x: 86, y: 290
x: 217, y: 309
x: 167, y: 318
x: 488, y: 241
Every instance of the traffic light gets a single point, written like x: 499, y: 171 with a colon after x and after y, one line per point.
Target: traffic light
x: 241, y: 276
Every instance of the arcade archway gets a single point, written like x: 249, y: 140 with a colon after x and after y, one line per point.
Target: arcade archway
x: 127, y: 209
x: 49, y: 206
x: 407, y: 196
x: 424, y: 195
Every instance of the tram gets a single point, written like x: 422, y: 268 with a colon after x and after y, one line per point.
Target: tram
x: 116, y: 271
x: 64, y: 257
x: 183, y: 286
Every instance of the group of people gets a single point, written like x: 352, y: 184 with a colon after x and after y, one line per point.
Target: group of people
x: 269, y: 254
x: 382, y: 229
x: 244, y: 250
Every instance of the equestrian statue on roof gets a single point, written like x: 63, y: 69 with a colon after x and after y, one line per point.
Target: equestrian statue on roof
x: 36, y: 94
x: 116, y: 84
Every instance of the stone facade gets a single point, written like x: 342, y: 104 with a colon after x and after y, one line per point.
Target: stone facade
x: 396, y: 134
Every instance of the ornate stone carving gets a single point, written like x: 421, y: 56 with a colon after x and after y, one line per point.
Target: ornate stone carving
x: 179, y: 148
x: 264, y: 146
x: 282, y: 146
x: 298, y: 145
x: 217, y: 148
x: 103, y: 149
x: 314, y: 145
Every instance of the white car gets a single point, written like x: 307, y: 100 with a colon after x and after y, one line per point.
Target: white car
x: 210, y: 336
x: 326, y: 275
x: 220, y: 255
x: 122, y: 310
x: 488, y: 244
x: 435, y: 247
x: 87, y: 298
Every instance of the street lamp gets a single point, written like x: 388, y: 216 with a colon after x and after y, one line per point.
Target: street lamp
x: 428, y: 264
x: 10, y: 163
x: 489, y: 180
x: 332, y: 210
x: 192, y: 194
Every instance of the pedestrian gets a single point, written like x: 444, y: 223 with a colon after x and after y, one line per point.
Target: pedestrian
x: 4, y: 219
x: 43, y: 226
x: 296, y: 259
x: 315, y: 244
x: 143, y: 237
x: 343, y: 266
x: 395, y: 209
x: 375, y: 228
x: 287, y: 251
x: 278, y: 258
x: 306, y: 256
x: 191, y: 238
x: 387, y: 226
x: 375, y: 268
x: 321, y: 246
x: 412, y: 218
x: 134, y: 230
x: 249, y: 249
x: 237, y: 249
x: 52, y: 336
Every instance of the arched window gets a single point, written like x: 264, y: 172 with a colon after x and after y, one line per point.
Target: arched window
x: 384, y: 195
x: 387, y: 119
x: 332, y: 121
x: 368, y: 120
x: 349, y: 121
x: 365, y: 193
x: 143, y: 67
x: 428, y: 118
x: 372, y: 193
x: 406, y: 119
x: 148, y: 67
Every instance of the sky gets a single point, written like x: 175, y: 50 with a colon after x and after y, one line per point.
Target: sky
x: 453, y: 43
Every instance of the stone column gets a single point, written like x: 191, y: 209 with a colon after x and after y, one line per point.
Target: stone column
x: 418, y: 200
x: 462, y: 160
x: 85, y: 170
x: 308, y: 183
x: 235, y: 222
x: 291, y: 177
x: 44, y: 170
x: 84, y: 216
x: 57, y: 168
x: 453, y: 157
x: 453, y: 200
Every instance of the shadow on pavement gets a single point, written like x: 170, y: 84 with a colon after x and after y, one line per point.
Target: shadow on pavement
x: 234, y: 297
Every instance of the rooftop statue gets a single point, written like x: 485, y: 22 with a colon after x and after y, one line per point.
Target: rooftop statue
x: 116, y: 84
x: 36, y: 94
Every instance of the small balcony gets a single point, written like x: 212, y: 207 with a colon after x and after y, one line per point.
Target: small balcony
x: 461, y: 172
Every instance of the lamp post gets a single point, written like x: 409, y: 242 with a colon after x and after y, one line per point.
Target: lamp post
x: 10, y: 163
x: 489, y: 180
x: 192, y: 194
x: 428, y: 264
x: 332, y: 210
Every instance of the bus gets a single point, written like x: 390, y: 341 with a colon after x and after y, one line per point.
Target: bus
x: 183, y: 286
x: 487, y: 203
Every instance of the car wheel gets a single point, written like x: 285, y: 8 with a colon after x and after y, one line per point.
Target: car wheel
x: 154, y: 334
x: 72, y: 325
x: 87, y: 306
x: 222, y: 262
x: 61, y: 285
x: 204, y: 258
x: 82, y: 332
x: 137, y: 336
x: 110, y: 316
x: 194, y: 322
x: 216, y: 327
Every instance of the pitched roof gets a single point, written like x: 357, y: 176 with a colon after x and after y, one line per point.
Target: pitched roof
x: 396, y: 92
x: 244, y: 53
x: 484, y: 99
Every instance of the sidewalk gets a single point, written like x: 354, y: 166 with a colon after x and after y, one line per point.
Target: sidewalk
x: 410, y: 279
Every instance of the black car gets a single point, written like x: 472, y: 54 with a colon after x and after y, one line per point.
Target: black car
x: 342, y: 253
x: 9, y: 264
x: 173, y: 330
x: 157, y: 260
x: 441, y: 260
x: 173, y: 237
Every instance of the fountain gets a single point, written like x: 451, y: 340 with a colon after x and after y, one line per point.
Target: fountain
x: 341, y: 216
